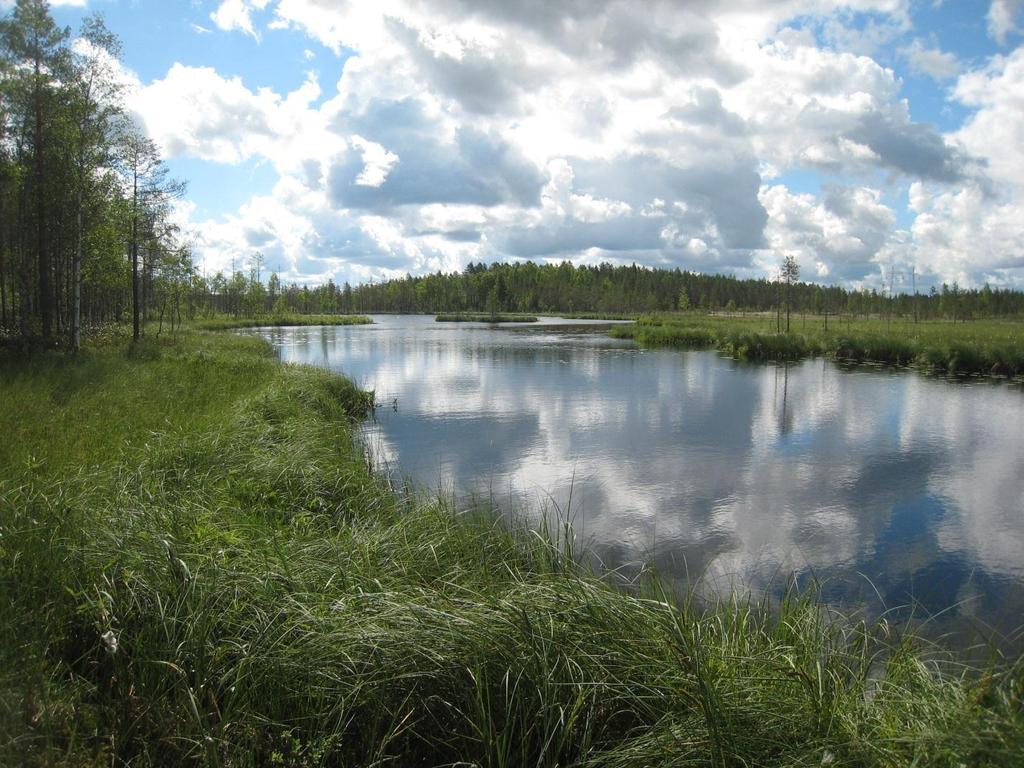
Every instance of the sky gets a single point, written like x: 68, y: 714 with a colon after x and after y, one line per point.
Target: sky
x: 877, y: 141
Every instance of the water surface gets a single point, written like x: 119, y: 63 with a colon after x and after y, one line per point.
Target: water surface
x: 894, y: 490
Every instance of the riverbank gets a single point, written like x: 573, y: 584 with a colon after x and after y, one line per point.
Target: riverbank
x: 225, y: 322
x: 484, y: 317
x: 198, y: 566
x: 990, y: 348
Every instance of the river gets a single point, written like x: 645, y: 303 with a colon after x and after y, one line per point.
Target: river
x: 894, y: 491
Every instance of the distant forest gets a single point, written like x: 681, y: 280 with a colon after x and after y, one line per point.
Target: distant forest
x: 605, y: 288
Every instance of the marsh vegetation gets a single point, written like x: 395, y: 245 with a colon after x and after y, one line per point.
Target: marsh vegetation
x: 484, y: 317
x: 980, y: 347
x: 227, y: 322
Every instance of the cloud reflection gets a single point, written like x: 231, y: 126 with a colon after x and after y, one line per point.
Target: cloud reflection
x: 737, y: 473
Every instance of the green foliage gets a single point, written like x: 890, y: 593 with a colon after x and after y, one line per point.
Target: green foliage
x: 209, y: 573
x: 684, y: 301
x: 984, y: 348
x: 892, y: 349
x: 666, y: 336
x: 763, y: 346
x: 606, y: 289
x: 278, y: 320
x: 280, y: 308
x: 83, y: 197
x: 483, y: 317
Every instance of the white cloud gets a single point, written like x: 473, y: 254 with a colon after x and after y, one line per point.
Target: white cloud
x: 617, y: 131
x: 933, y: 62
x: 965, y: 236
x: 870, y: 37
x: 560, y: 200
x: 996, y: 131
x: 336, y: 25
x: 974, y: 232
x: 194, y: 111
x: 835, y: 239
x: 377, y: 162
x: 835, y: 112
x: 237, y: 14
x: 1003, y: 19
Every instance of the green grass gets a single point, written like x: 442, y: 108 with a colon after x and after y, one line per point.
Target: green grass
x: 273, y: 602
x: 597, y: 315
x: 484, y: 317
x: 225, y: 322
x: 994, y: 348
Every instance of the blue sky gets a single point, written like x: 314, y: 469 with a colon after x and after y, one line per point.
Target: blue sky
x: 358, y: 141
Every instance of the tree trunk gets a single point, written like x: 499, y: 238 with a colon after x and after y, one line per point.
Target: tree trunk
x: 3, y: 288
x: 43, y: 260
x: 24, y: 278
x: 76, y: 278
x: 135, y: 257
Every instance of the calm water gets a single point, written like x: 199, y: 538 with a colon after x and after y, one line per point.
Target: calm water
x: 891, y: 488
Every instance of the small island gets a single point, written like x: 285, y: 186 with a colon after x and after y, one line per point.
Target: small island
x: 222, y: 323
x: 484, y: 317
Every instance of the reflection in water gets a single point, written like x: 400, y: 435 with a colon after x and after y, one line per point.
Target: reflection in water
x: 874, y: 482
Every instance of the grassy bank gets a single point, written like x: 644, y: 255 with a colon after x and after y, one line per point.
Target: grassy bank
x: 597, y: 315
x: 196, y: 566
x: 979, y: 347
x: 484, y: 317
x: 225, y: 322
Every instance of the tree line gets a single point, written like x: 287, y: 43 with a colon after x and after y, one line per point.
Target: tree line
x: 605, y: 288
x: 85, y: 230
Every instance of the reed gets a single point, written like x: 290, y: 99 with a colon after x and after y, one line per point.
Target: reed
x: 987, y: 348
x: 226, y: 322
x: 484, y: 317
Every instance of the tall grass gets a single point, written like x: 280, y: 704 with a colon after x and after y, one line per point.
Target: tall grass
x: 484, y: 317
x: 225, y: 322
x: 217, y: 578
x: 992, y: 348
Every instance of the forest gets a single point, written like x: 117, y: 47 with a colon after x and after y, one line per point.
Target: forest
x: 528, y: 287
x: 86, y: 231
x: 606, y: 288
